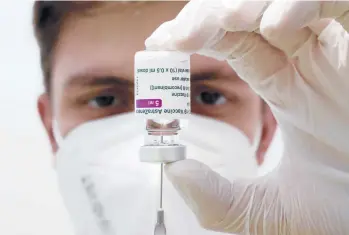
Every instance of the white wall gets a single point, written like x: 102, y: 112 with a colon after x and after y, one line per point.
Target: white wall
x: 29, y: 201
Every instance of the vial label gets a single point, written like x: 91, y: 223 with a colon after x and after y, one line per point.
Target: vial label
x: 162, y: 84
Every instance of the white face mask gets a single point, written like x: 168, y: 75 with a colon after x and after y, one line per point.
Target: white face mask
x: 108, y: 191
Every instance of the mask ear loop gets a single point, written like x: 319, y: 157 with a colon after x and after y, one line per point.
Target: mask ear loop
x: 58, y: 138
x: 56, y: 132
x: 257, y: 138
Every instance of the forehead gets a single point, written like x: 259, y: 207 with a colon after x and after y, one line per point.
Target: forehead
x: 107, y: 38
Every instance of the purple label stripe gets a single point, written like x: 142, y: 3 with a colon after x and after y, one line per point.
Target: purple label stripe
x: 149, y: 103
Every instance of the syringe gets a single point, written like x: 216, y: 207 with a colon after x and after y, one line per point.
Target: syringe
x: 162, y: 98
x: 162, y: 147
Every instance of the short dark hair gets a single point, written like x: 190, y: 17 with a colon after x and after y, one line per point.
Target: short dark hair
x: 48, y: 18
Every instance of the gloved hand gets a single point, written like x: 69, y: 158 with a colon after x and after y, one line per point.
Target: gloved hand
x: 297, y: 61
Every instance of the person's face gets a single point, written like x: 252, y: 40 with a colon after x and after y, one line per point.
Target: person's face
x: 92, y: 73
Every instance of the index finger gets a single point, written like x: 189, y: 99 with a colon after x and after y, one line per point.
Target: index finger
x: 203, y: 23
x: 194, y: 27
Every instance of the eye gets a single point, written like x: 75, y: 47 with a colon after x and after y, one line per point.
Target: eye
x: 104, y: 101
x: 211, y: 98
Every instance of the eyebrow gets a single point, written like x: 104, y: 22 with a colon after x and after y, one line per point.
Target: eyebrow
x: 100, y: 80
x: 202, y: 76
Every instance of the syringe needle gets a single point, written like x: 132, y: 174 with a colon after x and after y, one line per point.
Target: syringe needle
x: 161, y: 183
x: 160, y: 228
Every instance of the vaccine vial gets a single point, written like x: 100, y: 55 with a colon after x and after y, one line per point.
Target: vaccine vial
x: 162, y: 98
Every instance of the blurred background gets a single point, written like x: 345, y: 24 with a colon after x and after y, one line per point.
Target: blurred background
x: 30, y: 203
x: 29, y: 200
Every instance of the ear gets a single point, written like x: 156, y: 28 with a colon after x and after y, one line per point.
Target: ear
x: 268, y: 130
x: 46, y: 115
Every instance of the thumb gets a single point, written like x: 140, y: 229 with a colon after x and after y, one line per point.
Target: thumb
x: 250, y: 206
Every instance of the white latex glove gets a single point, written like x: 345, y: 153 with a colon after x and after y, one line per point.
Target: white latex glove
x: 298, y: 63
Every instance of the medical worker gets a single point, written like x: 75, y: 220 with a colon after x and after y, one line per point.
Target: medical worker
x: 87, y: 51
x: 295, y: 56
